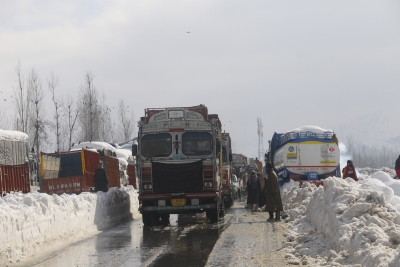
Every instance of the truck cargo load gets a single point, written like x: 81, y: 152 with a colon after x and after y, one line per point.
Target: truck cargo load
x: 307, y: 153
x: 73, y: 171
x: 14, y: 162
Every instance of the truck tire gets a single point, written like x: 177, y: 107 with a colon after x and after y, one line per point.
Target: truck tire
x: 165, y: 219
x: 146, y: 219
x: 222, y: 210
x: 213, y: 214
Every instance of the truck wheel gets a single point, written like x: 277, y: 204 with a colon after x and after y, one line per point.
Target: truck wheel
x: 222, y: 210
x: 146, y: 219
x: 155, y: 218
x: 213, y: 214
x: 228, y: 203
x: 165, y: 219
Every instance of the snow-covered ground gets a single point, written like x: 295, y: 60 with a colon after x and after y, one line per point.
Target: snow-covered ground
x: 344, y: 223
x: 36, y: 223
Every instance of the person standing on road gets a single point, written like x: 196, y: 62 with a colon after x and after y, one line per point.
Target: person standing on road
x: 350, y: 171
x: 261, y: 200
x: 100, y: 179
x: 253, y: 191
x: 397, y: 167
x: 272, y: 195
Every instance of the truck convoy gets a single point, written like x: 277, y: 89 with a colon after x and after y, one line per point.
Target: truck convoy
x: 305, y: 153
x: 228, y: 190
x: 239, y: 168
x: 179, y: 163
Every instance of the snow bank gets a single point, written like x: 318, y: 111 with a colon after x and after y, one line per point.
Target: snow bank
x: 13, y: 135
x: 357, y: 220
x: 34, y: 223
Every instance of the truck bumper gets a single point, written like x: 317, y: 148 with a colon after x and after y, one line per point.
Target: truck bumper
x: 178, y: 208
x: 209, y: 195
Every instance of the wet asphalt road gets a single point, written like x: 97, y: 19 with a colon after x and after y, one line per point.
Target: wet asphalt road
x: 188, y: 241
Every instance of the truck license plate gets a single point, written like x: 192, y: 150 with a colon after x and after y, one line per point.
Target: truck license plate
x: 178, y: 202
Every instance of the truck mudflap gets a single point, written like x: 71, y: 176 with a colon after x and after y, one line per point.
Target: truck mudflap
x: 177, y: 208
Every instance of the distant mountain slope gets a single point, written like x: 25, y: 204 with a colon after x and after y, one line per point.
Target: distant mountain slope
x: 376, y: 128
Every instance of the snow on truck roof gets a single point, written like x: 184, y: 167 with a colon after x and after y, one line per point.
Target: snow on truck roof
x: 13, y: 135
x: 310, y: 128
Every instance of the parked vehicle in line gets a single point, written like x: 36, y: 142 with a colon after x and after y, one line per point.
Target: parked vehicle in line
x: 308, y: 153
x: 179, y: 160
x: 235, y: 187
x: 15, y: 166
x: 227, y: 187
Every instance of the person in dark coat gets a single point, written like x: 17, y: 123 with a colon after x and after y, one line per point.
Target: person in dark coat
x: 100, y: 179
x: 253, y: 191
x: 397, y: 167
x: 261, y: 199
x: 273, y: 195
x: 350, y: 171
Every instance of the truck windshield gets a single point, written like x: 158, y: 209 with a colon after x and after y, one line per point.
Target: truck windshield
x: 157, y: 145
x: 197, y: 143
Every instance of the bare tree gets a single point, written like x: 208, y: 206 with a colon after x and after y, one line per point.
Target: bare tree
x: 53, y: 82
x: 72, y: 115
x: 89, y: 110
x: 126, y: 121
x: 4, y: 123
x: 106, y: 129
x: 38, y: 124
x: 22, y: 102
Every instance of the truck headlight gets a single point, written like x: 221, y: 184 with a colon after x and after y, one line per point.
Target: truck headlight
x: 208, y: 184
x: 195, y: 201
x: 147, y: 187
x: 161, y: 203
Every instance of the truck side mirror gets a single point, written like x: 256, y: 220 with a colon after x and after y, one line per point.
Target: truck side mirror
x: 230, y: 157
x: 218, y: 146
x: 134, y: 150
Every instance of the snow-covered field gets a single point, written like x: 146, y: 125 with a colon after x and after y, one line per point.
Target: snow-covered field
x: 36, y: 223
x: 344, y: 223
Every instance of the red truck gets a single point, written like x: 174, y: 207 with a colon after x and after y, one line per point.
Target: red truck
x: 73, y: 171
x: 179, y: 164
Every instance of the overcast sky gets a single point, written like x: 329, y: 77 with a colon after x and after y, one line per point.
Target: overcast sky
x: 290, y: 63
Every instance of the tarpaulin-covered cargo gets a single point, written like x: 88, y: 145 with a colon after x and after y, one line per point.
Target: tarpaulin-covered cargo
x: 14, y: 166
x: 73, y: 171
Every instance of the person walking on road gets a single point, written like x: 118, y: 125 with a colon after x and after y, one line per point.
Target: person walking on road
x: 253, y: 191
x: 350, y: 171
x: 397, y: 167
x: 272, y: 195
x: 100, y: 179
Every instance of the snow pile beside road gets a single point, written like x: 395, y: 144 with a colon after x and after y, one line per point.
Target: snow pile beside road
x: 34, y: 223
x: 351, y: 222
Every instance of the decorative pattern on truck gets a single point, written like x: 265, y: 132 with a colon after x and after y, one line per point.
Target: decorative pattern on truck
x: 177, y: 177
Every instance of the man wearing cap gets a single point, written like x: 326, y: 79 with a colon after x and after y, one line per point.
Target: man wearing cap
x: 350, y: 171
x: 272, y: 194
x: 100, y: 179
x: 397, y: 167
